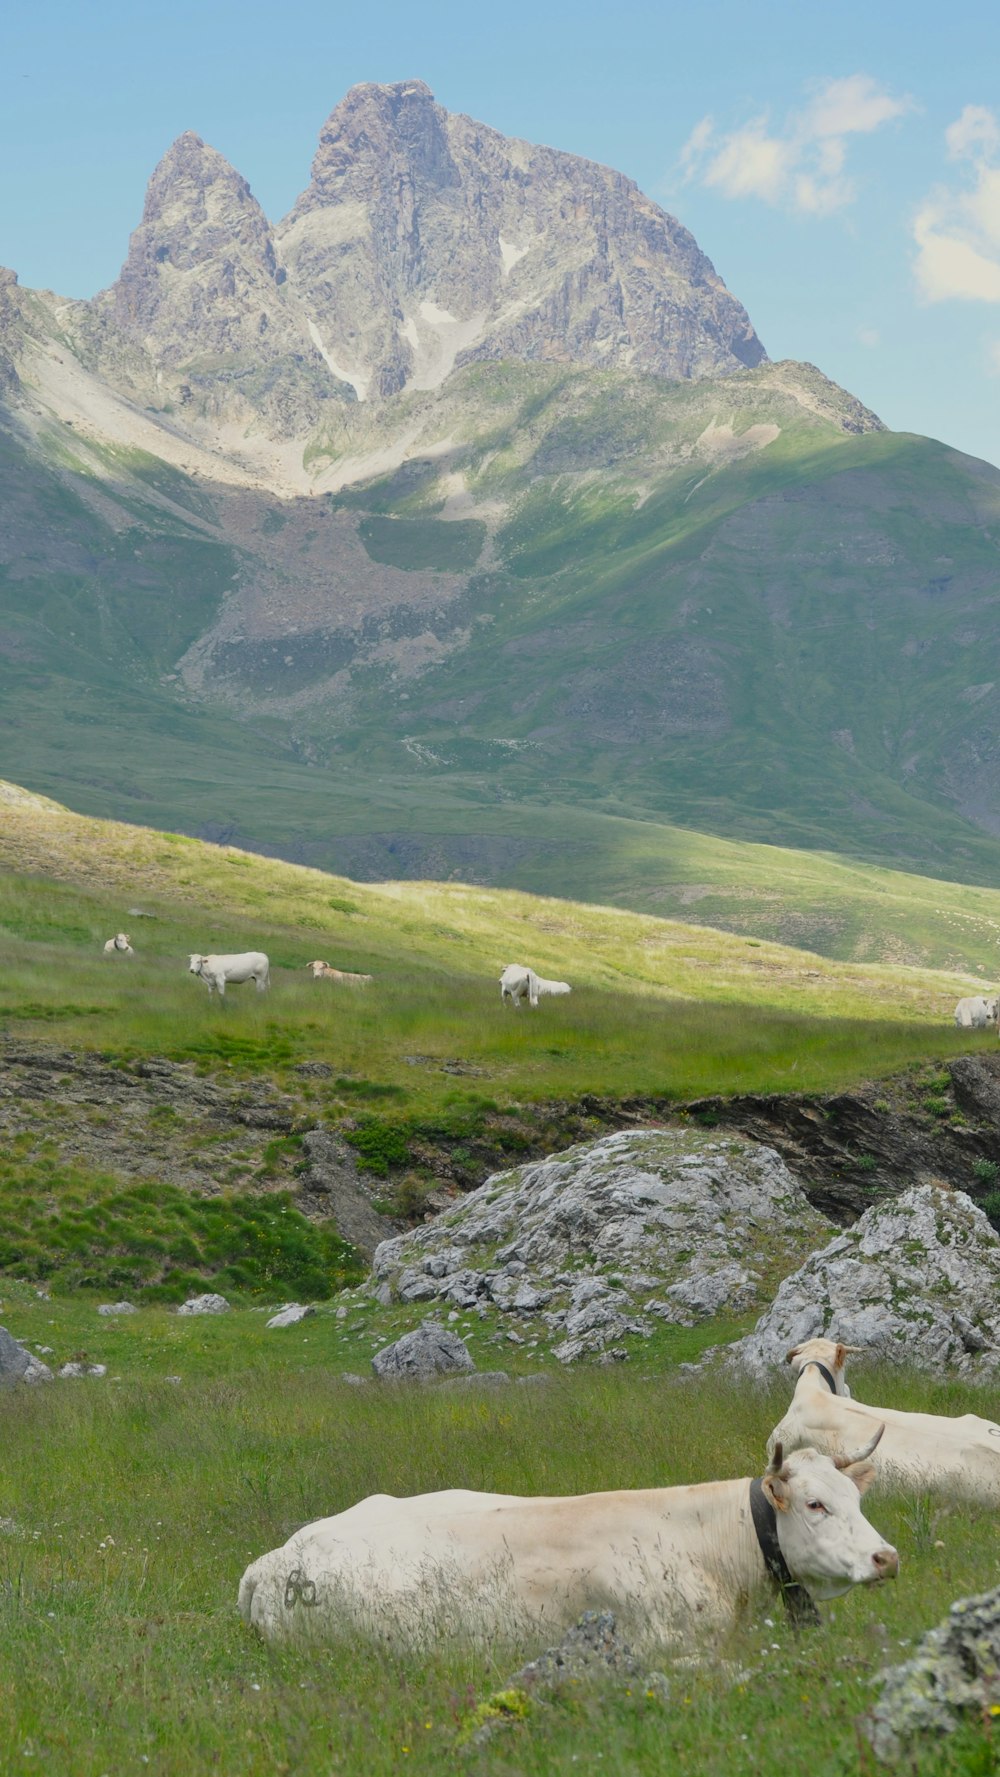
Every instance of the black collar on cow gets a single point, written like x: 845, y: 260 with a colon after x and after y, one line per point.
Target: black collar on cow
x: 826, y: 1374
x: 795, y: 1598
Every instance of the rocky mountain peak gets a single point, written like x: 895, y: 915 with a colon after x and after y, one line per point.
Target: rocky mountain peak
x: 426, y: 240
x: 201, y: 268
x: 423, y: 241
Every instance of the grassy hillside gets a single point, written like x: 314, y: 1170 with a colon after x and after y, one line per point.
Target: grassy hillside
x: 510, y: 615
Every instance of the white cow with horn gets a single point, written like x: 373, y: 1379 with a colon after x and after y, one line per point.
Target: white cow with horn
x: 668, y: 1560
x: 959, y: 1455
x: 119, y: 945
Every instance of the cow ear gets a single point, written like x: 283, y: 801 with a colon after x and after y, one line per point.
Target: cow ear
x: 840, y: 1357
x: 862, y: 1474
x: 776, y: 1490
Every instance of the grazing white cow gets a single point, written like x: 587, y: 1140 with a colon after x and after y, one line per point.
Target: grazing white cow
x: 323, y: 972
x: 218, y: 971
x: 976, y: 1012
x: 958, y: 1456
x: 518, y: 982
x: 119, y: 945
x: 669, y: 1561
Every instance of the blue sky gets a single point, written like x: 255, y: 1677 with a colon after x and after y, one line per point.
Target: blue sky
x: 840, y: 165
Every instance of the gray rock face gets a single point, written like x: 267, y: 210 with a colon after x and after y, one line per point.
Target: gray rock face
x: 331, y: 1177
x: 610, y: 1236
x: 952, y: 1674
x: 915, y: 1281
x: 424, y: 240
x: 18, y: 1364
x: 431, y: 1350
x: 208, y: 1304
x: 202, y: 292
x: 290, y: 1315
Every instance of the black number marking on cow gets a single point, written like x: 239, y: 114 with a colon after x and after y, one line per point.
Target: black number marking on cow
x: 299, y: 1589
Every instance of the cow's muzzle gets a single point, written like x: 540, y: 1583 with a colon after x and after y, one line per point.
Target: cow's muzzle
x: 886, y: 1563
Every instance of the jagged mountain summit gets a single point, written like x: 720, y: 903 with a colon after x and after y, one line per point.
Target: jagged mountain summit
x: 442, y: 524
x: 423, y: 241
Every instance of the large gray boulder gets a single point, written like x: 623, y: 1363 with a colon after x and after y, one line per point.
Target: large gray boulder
x: 610, y: 1236
x: 17, y: 1364
x: 431, y: 1350
x: 207, y: 1304
x: 915, y: 1281
x: 953, y: 1674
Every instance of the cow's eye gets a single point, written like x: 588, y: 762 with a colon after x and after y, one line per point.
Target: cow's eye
x: 815, y: 1505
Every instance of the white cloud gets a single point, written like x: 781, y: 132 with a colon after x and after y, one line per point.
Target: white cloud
x: 957, y: 230
x: 976, y: 130
x: 869, y: 336
x: 802, y: 164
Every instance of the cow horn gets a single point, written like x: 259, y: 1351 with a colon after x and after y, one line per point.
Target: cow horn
x: 777, y: 1458
x: 860, y: 1455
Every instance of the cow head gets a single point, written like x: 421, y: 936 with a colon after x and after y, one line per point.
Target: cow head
x: 827, y: 1543
x: 122, y: 941
x: 195, y: 963
x: 831, y: 1353
x: 317, y: 967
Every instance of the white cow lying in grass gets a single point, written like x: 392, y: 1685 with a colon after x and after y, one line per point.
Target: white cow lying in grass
x: 957, y: 1456
x: 976, y: 1012
x: 119, y: 945
x: 518, y: 982
x: 219, y: 971
x: 323, y: 972
x: 669, y: 1561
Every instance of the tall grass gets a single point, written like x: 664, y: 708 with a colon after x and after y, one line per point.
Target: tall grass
x: 130, y: 1512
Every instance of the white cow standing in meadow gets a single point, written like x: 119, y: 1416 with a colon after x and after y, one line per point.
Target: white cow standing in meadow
x: 976, y: 1012
x: 119, y: 945
x: 670, y: 1561
x: 518, y: 982
x: 219, y: 971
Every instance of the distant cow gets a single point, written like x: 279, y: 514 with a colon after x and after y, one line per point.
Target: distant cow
x: 218, y: 971
x: 976, y: 1012
x: 957, y: 1456
x: 323, y: 972
x: 668, y: 1560
x: 119, y: 945
x: 518, y: 982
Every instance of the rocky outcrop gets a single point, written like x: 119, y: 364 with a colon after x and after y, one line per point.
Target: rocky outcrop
x: 330, y: 1184
x: 609, y: 1237
x: 916, y: 1281
x: 954, y: 1674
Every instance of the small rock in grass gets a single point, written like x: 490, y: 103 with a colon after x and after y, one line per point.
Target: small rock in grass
x: 83, y: 1369
x: 430, y: 1350
x: 290, y: 1315
x: 485, y: 1379
x: 17, y: 1364
x: 117, y: 1308
x: 208, y: 1304
x: 354, y: 1381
